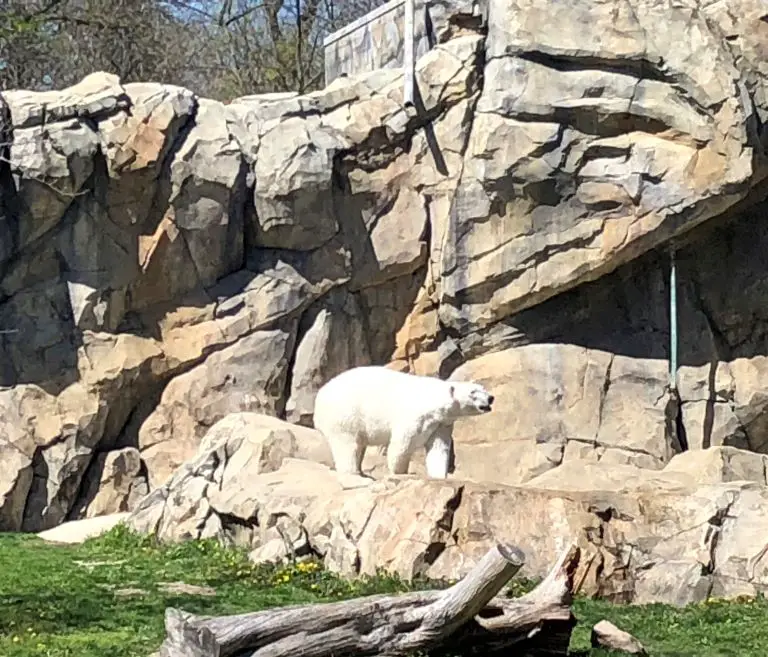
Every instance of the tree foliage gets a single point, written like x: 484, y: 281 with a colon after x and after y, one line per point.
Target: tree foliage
x: 218, y: 48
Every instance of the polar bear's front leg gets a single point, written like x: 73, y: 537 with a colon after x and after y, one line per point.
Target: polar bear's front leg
x: 438, y: 449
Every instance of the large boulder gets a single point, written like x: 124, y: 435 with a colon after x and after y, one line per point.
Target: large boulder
x: 592, y: 143
x: 248, y: 375
x: 558, y: 402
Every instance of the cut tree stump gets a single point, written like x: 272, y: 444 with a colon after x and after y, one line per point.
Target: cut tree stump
x: 468, y: 618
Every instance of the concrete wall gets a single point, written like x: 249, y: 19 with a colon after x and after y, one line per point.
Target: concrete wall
x: 374, y: 40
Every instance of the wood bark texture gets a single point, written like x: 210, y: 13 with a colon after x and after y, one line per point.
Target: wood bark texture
x: 468, y: 618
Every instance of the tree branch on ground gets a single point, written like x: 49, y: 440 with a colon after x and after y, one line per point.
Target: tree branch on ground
x: 468, y: 618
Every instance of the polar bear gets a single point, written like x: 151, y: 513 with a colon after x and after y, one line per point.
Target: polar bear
x: 375, y: 405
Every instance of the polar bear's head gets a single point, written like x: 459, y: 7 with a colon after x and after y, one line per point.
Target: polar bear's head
x: 471, y: 398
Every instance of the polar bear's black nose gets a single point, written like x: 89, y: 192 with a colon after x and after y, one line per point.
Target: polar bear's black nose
x: 490, y: 399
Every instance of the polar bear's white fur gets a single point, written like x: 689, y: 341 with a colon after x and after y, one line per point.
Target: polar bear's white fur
x: 374, y: 405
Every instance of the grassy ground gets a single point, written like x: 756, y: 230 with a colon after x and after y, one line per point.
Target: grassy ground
x: 105, y: 597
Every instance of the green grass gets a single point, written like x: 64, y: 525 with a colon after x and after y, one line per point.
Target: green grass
x: 63, y: 601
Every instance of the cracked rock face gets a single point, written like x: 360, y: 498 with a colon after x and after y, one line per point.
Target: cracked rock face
x: 600, y: 131
x: 675, y: 535
x: 167, y: 261
x: 134, y: 316
x: 560, y: 402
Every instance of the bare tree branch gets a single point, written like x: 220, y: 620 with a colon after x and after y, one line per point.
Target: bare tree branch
x: 217, y: 48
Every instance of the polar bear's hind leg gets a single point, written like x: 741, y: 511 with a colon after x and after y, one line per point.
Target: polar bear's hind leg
x: 360, y: 455
x: 398, y: 456
x: 347, y: 454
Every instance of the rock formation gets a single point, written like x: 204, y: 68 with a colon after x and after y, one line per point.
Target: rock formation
x: 168, y: 260
x: 681, y: 534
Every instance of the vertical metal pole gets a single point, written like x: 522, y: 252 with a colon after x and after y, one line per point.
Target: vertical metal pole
x: 408, y: 54
x: 672, y: 320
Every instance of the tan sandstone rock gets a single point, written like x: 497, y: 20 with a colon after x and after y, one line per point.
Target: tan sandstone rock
x: 113, y: 482
x: 557, y: 402
x: 716, y: 464
x: 332, y: 341
x: 249, y: 375
x: 290, y: 440
x: 687, y: 470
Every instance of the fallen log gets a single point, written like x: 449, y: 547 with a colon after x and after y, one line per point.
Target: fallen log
x: 467, y: 618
